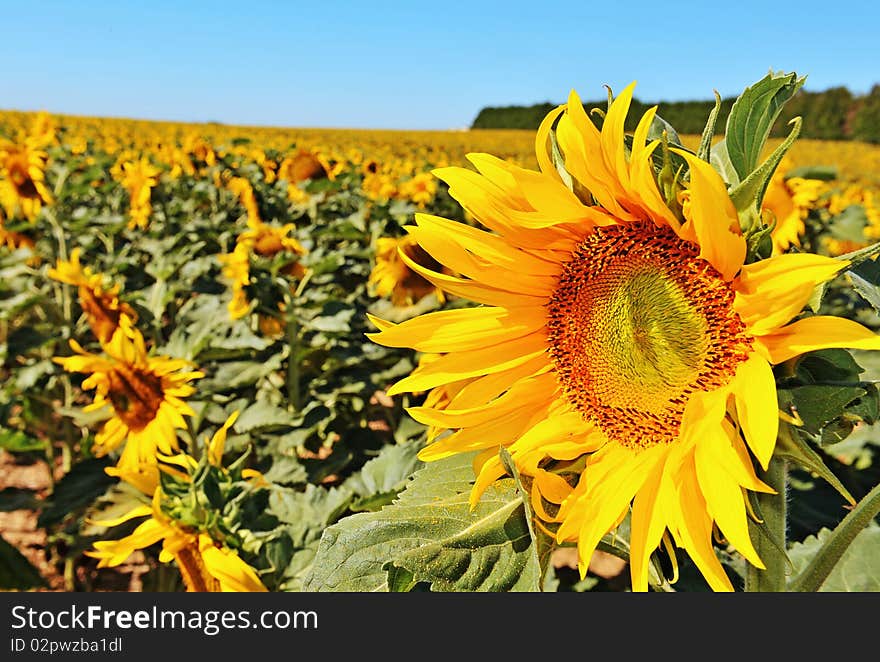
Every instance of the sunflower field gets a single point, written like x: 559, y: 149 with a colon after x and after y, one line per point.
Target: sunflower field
x: 577, y: 359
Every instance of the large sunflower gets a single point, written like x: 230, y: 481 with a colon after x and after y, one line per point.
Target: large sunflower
x: 614, y: 331
x: 23, y: 188
x: 145, y: 392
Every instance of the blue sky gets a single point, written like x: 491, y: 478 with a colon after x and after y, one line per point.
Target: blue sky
x: 411, y: 65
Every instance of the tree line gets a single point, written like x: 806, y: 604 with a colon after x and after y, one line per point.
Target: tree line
x: 833, y: 114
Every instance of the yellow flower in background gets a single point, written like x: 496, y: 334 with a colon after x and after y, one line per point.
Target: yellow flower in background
x: 790, y: 201
x: 420, y: 189
x: 138, y: 177
x: 100, y: 303
x: 23, y: 190
x: 44, y: 132
x: 243, y: 190
x: 393, y: 276
x: 236, y: 267
x: 266, y: 241
x: 146, y: 394
x: 199, y: 149
x: 612, y: 331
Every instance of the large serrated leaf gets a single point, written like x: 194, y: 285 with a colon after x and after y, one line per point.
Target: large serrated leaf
x: 380, y: 479
x: 858, y: 569
x: 304, y: 516
x: 431, y: 532
x: 260, y: 415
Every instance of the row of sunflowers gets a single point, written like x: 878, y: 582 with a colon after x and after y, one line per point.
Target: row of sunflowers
x: 248, y: 356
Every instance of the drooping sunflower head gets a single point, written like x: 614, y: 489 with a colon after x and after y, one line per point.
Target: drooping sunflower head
x: 100, y: 303
x: 23, y: 190
x: 206, y: 561
x: 393, y: 277
x: 617, y: 331
x: 146, y: 394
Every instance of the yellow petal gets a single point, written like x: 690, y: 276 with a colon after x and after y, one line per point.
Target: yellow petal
x: 817, y: 332
x: 694, y: 530
x: 754, y: 389
x: 460, y: 330
x: 770, y: 292
x: 473, y: 363
x: 227, y: 567
x: 542, y: 142
x: 724, y: 502
x: 714, y: 218
x: 647, y: 525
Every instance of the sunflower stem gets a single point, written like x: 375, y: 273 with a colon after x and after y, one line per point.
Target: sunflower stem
x: 292, y: 331
x: 771, y: 542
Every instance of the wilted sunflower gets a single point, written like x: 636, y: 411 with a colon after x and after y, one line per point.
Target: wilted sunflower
x: 23, y: 188
x: 393, y: 276
x: 205, y: 564
x: 615, y: 332
x: 100, y: 304
x: 145, y: 392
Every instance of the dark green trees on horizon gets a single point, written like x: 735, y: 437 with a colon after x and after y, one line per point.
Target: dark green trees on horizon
x: 833, y: 114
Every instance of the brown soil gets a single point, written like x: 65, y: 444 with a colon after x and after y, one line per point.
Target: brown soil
x: 19, y: 528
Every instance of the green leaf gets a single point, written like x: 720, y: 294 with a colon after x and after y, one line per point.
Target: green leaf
x: 79, y: 487
x: 304, y: 515
x: 850, y: 224
x: 791, y: 446
x: 836, y: 546
x: 748, y: 195
x: 658, y: 127
x: 827, y: 365
x: 752, y: 116
x: 16, y: 441
x: 720, y: 160
x: 858, y: 569
x: 865, y: 279
x: 16, y: 572
x: 431, y: 532
x: 262, y: 414
x: 386, y: 474
x: 16, y: 498
x: 818, y: 405
x: 231, y: 375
